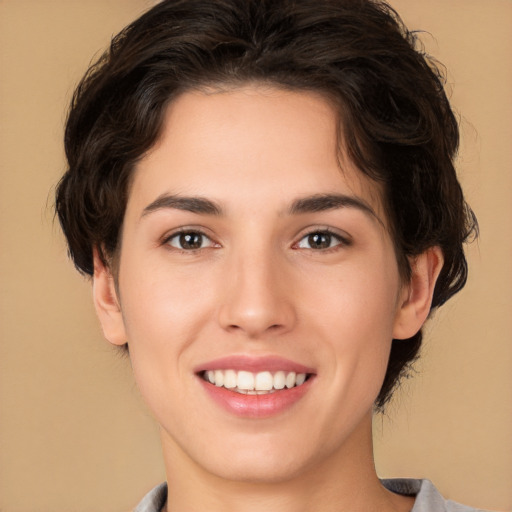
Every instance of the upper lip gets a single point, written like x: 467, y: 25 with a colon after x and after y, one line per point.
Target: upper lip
x: 254, y: 364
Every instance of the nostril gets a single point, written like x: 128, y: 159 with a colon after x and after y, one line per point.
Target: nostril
x: 256, y: 314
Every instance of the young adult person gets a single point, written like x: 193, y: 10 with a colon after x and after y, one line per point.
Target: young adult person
x: 264, y: 195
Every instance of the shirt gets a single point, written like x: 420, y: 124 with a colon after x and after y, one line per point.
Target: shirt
x: 428, y: 498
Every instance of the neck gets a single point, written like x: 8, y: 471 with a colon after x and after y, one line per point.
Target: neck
x: 345, y: 481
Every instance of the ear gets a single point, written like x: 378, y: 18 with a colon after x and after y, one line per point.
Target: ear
x: 106, y: 302
x: 416, y: 297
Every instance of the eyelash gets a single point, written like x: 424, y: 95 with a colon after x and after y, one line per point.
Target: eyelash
x: 324, y: 232
x: 188, y: 232
x: 341, y: 241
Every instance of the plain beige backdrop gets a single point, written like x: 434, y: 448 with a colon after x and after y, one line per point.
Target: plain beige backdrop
x: 74, y: 435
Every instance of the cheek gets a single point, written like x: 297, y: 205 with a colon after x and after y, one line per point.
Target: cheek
x: 163, y: 313
x: 359, y: 296
x: 158, y: 298
x: 355, y: 311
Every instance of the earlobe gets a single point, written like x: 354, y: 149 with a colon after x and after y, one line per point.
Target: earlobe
x: 417, y: 295
x: 106, y: 302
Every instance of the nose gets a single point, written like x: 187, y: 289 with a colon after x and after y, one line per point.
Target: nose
x: 257, y: 298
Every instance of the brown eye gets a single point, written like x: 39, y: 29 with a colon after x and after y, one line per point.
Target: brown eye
x: 320, y: 240
x: 189, y: 241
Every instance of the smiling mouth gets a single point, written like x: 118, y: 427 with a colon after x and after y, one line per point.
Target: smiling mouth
x: 249, y: 383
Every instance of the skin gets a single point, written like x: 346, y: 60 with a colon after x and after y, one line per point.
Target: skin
x: 257, y: 287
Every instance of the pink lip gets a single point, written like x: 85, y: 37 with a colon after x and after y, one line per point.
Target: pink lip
x: 254, y: 364
x: 255, y: 406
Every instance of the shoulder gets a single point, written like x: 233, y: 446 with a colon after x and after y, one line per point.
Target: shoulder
x: 154, y: 500
x: 428, y: 498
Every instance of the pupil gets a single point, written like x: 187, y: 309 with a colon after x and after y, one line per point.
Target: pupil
x: 319, y: 240
x: 190, y: 240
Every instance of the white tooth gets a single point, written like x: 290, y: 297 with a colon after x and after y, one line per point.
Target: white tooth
x: 301, y: 377
x: 245, y: 380
x: 219, y: 378
x: 252, y: 392
x: 263, y: 381
x: 279, y: 380
x: 290, y: 380
x: 210, y: 375
x: 230, y: 379
x: 242, y: 391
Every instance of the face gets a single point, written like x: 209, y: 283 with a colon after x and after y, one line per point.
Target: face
x: 258, y: 288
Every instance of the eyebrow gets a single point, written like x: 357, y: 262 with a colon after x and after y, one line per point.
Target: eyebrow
x: 308, y: 204
x: 325, y: 202
x: 198, y: 205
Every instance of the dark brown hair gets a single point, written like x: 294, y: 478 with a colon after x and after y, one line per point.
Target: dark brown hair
x: 397, y: 123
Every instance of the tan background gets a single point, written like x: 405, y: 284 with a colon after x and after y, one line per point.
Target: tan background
x: 73, y: 433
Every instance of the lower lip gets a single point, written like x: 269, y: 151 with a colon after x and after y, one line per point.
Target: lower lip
x: 256, y: 406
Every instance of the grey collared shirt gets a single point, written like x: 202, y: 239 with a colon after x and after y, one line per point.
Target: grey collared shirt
x: 427, y: 496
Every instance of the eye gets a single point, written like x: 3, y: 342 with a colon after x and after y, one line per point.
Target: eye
x: 189, y: 241
x: 321, y: 240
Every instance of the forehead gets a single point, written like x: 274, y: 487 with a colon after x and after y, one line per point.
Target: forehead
x: 250, y: 145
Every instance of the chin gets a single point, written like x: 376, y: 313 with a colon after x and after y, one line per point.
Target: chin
x: 262, y: 459
x: 257, y: 470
